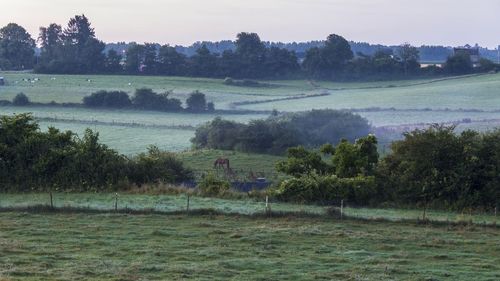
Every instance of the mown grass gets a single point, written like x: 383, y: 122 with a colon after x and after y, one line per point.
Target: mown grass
x: 154, y: 247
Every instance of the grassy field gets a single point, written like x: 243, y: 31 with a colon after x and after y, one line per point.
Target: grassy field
x: 476, y: 92
x: 130, y: 132
x: 204, y: 159
x: 157, y: 247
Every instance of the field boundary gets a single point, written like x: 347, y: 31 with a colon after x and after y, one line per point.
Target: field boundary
x: 267, y: 214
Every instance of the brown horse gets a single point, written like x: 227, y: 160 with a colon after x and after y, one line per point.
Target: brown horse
x: 222, y: 163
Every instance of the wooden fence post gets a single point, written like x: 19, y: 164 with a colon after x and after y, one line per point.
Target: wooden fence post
x: 495, y: 222
x: 268, y: 206
x: 187, y: 206
x: 51, y: 201
x: 341, y: 209
x: 116, y: 201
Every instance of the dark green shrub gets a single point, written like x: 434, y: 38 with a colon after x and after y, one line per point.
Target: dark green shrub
x: 314, y: 188
x: 108, y: 99
x: 21, y: 100
x: 157, y: 166
x: 196, y: 102
x: 211, y: 185
x: 147, y: 99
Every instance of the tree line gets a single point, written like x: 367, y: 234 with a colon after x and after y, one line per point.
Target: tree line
x: 76, y: 49
x: 433, y: 167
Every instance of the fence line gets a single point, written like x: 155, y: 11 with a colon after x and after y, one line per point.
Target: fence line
x: 187, y: 204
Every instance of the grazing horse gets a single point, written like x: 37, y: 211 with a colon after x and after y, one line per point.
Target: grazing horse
x: 221, y: 163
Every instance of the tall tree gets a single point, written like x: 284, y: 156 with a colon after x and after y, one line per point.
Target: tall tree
x: 170, y: 62
x: 252, y: 54
x: 150, y: 59
x: 330, y: 60
x: 203, y: 63
x: 134, y: 58
x: 81, y: 43
x: 113, y: 62
x: 51, y: 41
x: 409, y: 56
x: 16, y: 48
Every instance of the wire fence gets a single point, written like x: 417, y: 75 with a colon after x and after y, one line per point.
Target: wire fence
x: 186, y: 203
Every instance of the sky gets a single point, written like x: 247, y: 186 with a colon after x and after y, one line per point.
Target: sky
x: 430, y: 22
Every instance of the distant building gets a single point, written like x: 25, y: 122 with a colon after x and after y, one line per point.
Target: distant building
x: 473, y: 52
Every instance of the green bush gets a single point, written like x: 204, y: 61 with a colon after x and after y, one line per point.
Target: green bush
x: 21, y: 100
x: 213, y: 186
x: 108, y: 99
x: 34, y: 160
x: 157, y: 166
x: 327, y: 189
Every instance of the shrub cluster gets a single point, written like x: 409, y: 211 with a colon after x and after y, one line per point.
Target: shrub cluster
x: 147, y: 99
x: 277, y: 133
x: 328, y: 189
x: 428, y: 168
x: 438, y: 168
x: 35, y: 160
x: 211, y: 185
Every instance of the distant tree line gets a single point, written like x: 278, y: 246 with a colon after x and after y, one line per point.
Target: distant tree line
x: 75, y: 49
x: 428, y: 168
x: 277, y: 133
x: 54, y: 160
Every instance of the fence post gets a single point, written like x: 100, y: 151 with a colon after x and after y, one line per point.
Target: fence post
x: 495, y: 222
x: 187, y: 206
x: 51, y: 201
x: 268, y: 206
x: 116, y: 201
x: 341, y: 209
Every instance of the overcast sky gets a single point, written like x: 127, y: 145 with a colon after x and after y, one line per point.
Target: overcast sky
x: 439, y: 22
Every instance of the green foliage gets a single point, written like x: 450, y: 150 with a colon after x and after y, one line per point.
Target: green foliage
x: 147, y: 99
x: 330, y: 60
x: 196, y: 102
x: 360, y: 158
x: 158, y: 166
x: 21, y: 100
x: 276, y: 134
x: 211, y: 185
x: 349, y: 177
x: 35, y: 160
x: 459, y: 64
x: 108, y: 99
x: 16, y: 48
x: 314, y: 188
x: 301, y: 162
x: 74, y: 49
x: 436, y: 167
x: 486, y: 65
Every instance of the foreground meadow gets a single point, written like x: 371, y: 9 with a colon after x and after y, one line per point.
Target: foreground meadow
x: 157, y: 247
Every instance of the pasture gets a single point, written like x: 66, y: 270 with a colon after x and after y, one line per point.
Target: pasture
x: 470, y: 102
x: 157, y: 247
